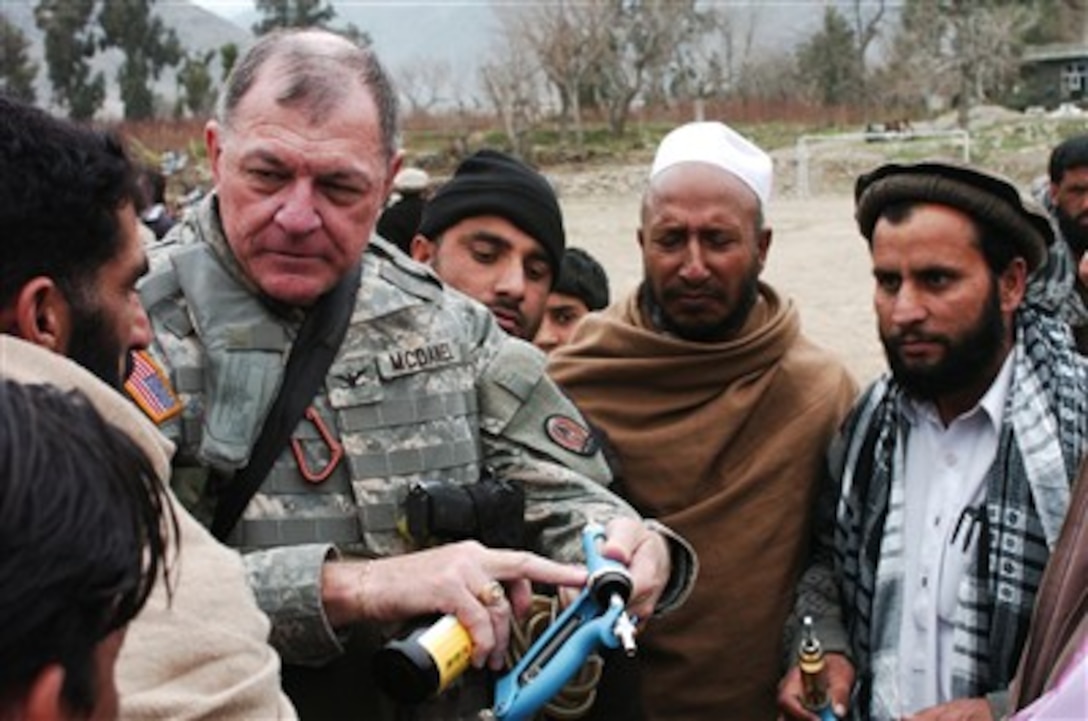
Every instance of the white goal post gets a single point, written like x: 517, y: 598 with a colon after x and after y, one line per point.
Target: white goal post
x: 806, y: 143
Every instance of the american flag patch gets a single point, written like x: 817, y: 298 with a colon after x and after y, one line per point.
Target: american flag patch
x: 149, y: 387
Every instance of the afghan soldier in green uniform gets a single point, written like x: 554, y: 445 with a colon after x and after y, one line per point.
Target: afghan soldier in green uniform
x: 424, y: 386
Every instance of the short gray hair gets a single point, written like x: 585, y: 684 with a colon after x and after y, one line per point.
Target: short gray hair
x: 314, y: 65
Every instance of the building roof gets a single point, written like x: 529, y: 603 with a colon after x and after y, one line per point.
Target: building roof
x: 1055, y: 52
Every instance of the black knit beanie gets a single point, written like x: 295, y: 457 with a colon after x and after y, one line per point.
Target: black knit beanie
x: 985, y: 196
x: 493, y: 183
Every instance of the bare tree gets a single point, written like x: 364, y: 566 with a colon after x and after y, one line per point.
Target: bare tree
x: 697, y: 68
x: 712, y: 53
x: 770, y: 78
x: 867, y: 16
x: 1060, y: 21
x: 643, y: 35
x: 569, y: 40
x: 969, y: 51
x: 512, y: 82
x: 424, y: 84
x: 919, y: 71
x: 991, y: 66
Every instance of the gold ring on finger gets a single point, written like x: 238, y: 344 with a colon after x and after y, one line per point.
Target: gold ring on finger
x: 492, y: 594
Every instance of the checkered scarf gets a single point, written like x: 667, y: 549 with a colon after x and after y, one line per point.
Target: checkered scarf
x: 1051, y: 287
x: 1041, y: 442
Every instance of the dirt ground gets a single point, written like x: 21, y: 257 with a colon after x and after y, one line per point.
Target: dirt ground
x: 817, y: 258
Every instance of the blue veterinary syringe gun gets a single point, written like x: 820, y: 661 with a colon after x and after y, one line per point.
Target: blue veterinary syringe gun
x: 424, y: 663
x: 596, y: 618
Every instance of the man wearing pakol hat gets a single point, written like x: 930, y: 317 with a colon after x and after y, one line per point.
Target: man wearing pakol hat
x: 719, y: 411
x: 950, y: 479
x: 494, y: 232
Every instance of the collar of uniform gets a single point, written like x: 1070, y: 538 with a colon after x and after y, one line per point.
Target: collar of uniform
x: 992, y: 402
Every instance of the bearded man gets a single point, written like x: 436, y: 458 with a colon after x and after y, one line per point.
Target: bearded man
x: 952, y: 474
x: 1062, y: 285
x: 719, y: 411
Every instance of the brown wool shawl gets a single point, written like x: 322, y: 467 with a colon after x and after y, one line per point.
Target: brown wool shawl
x: 1059, y: 624
x: 724, y: 442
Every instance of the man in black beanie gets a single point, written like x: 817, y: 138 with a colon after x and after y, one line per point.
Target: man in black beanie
x: 494, y: 232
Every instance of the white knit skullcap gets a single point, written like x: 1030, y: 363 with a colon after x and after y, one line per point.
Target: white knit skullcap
x: 717, y: 144
x: 411, y: 180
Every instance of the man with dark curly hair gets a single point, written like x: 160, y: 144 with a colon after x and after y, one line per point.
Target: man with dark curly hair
x: 82, y: 541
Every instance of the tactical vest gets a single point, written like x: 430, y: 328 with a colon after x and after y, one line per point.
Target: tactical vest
x: 401, y: 396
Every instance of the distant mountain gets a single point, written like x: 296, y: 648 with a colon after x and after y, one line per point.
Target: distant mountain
x: 198, y: 30
x: 457, y: 33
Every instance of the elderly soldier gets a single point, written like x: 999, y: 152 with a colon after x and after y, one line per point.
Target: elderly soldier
x: 336, y: 408
x: 951, y: 476
x: 719, y: 410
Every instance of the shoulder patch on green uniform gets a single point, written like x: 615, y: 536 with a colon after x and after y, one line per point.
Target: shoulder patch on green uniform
x: 149, y: 387
x: 568, y: 433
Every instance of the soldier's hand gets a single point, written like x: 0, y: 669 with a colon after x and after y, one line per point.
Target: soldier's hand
x: 481, y: 586
x: 840, y: 679
x: 964, y: 709
x: 646, y: 554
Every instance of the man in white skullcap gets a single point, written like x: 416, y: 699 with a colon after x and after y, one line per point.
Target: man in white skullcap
x: 719, y: 412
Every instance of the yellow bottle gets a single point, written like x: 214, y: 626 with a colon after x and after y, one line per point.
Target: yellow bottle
x: 425, y: 662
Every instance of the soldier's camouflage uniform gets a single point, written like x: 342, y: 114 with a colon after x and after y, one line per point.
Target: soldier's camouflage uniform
x: 425, y: 386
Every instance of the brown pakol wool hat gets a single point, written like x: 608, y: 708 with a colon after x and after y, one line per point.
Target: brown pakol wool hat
x: 986, y: 197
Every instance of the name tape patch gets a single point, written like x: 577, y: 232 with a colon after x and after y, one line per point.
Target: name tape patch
x: 403, y: 361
